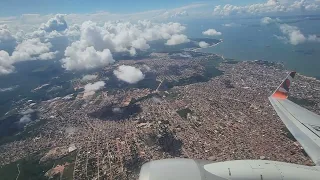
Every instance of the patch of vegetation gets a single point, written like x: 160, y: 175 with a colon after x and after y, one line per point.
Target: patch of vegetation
x: 133, y: 100
x: 184, y: 112
x: 68, y: 172
x: 228, y: 84
x: 231, y: 61
x: 169, y: 143
x: 210, y: 68
x: 29, y: 131
x: 115, y: 113
x: 41, y: 69
x: 210, y: 72
x: 31, y: 75
x: 31, y: 169
x: 172, y: 95
x: 303, y: 102
x: 134, y: 162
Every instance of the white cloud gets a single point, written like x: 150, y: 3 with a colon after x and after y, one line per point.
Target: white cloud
x: 203, y: 44
x: 146, y: 67
x: 79, y: 58
x: 98, y: 42
x: 30, y: 22
x: 5, y: 63
x: 7, y: 40
x: 230, y: 25
x: 28, y: 111
x: 177, y: 14
x: 132, y: 51
x: 32, y: 49
x: 33, y: 46
x: 314, y: 38
x: 177, y: 39
x: 140, y: 44
x: 211, y: 32
x: 57, y: 23
x: 73, y: 32
x: 25, y: 119
x: 91, y: 89
x: 305, y: 5
x: 269, y: 7
x: 128, y: 74
x: 48, y: 55
x: 8, y: 88
x: 268, y: 20
x: 89, y: 77
x: 293, y: 34
x: 86, y: 46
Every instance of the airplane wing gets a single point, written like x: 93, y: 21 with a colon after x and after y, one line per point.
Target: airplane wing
x: 303, y: 124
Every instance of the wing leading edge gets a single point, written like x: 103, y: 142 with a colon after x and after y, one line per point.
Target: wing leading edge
x: 303, y: 124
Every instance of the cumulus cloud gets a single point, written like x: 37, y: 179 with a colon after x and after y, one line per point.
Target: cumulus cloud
x: 177, y: 39
x: 48, y: 55
x: 304, y: 5
x: 79, y: 58
x: 7, y: 40
x: 268, y: 20
x: 270, y: 6
x: 211, y: 32
x: 32, y: 49
x: 89, y: 77
x: 91, y: 89
x: 28, y: 111
x: 294, y: 36
x: 6, y: 66
x: 203, y: 44
x: 140, y: 44
x: 146, y: 67
x: 57, y: 23
x: 86, y: 46
x: 28, y: 49
x: 122, y: 36
x: 128, y: 74
x: 314, y: 38
x: 97, y: 43
x: 26, y: 118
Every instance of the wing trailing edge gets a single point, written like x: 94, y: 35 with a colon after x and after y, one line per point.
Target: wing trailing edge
x: 303, y: 124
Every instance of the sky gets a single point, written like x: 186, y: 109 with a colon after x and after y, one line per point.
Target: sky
x: 18, y: 7
x: 86, y: 34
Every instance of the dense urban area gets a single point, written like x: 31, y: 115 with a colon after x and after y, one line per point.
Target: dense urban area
x: 190, y: 105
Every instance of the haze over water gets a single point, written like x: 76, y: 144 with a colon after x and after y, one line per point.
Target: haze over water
x: 248, y: 39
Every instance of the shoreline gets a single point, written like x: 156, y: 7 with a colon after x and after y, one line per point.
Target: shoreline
x: 196, y: 49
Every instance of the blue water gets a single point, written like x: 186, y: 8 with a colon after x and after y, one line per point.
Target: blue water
x: 249, y: 40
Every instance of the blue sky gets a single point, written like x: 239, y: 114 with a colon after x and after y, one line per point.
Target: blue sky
x: 18, y: 7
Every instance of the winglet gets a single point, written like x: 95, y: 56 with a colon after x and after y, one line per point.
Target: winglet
x: 283, y: 90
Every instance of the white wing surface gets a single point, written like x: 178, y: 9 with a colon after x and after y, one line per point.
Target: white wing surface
x: 303, y: 124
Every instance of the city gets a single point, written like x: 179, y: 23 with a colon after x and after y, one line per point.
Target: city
x: 225, y: 116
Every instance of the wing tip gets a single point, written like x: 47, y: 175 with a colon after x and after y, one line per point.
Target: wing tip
x: 283, y: 90
x: 293, y: 74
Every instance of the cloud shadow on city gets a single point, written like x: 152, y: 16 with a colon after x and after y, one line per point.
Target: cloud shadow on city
x: 113, y: 113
